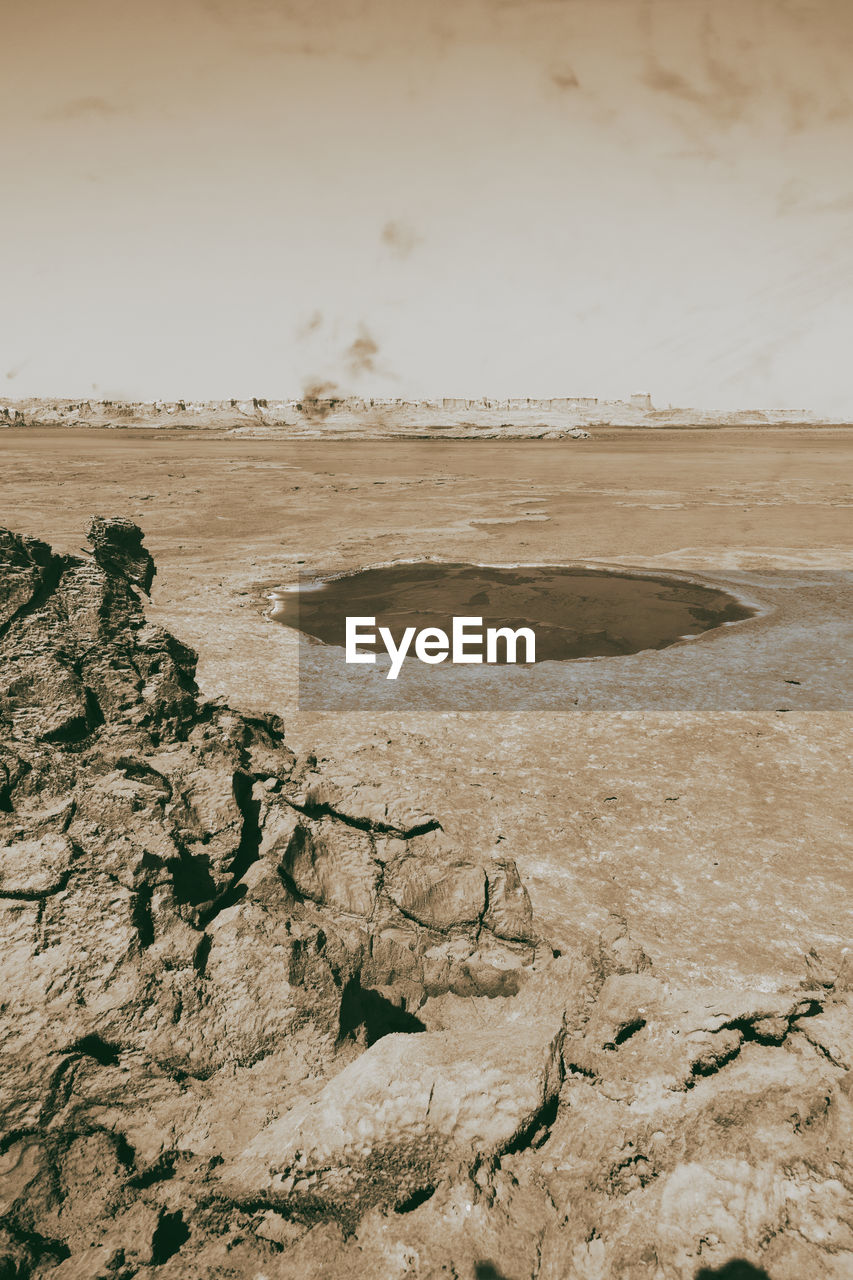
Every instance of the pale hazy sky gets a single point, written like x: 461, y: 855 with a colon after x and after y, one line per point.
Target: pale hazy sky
x: 206, y: 198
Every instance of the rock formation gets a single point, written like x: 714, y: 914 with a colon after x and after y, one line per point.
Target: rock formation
x: 260, y: 1020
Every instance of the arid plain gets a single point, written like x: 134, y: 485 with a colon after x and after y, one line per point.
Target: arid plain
x: 277, y: 1001
x: 716, y: 835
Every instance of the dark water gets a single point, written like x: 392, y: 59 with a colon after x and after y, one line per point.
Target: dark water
x: 575, y: 613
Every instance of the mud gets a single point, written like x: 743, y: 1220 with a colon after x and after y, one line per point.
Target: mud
x: 574, y: 613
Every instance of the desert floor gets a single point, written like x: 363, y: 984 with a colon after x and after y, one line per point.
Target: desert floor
x: 717, y: 833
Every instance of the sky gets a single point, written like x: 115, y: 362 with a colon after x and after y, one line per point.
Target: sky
x: 214, y: 198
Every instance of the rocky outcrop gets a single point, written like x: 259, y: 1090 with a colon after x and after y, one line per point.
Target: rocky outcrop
x: 409, y: 1112
x: 260, y: 1018
x: 182, y: 898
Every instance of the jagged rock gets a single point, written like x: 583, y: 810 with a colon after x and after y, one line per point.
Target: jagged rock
x: 436, y: 895
x: 180, y: 901
x: 399, y: 1118
x: 117, y: 546
x: 509, y: 914
x: 617, y: 952
x: 372, y: 805
x: 696, y: 1178
x: 28, y: 567
x: 831, y: 1032
x: 669, y: 1038
x: 332, y: 865
x: 425, y: 902
x: 34, y: 868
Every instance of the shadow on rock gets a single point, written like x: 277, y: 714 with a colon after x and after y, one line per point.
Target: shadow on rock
x: 737, y: 1269
x: 378, y: 1016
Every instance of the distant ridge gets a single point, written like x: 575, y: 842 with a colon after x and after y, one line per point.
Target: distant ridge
x: 328, y: 415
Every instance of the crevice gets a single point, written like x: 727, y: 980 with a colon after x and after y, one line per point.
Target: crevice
x: 52, y: 571
x: 625, y: 1033
x: 700, y: 1070
x: 363, y: 1007
x: 748, y: 1027
x: 250, y: 836
x: 171, y: 1233
x: 37, y: 895
x: 160, y: 1171
x: 748, y: 1032
x: 94, y: 714
x: 291, y: 1212
x: 457, y: 929
x: 58, y: 1090
x: 201, y: 953
x: 140, y: 916
x: 370, y: 825
x: 248, y: 852
x: 484, y: 912
x: 575, y: 1069
x: 822, y: 1049
x: 537, y: 1132
x: 537, y: 1262
x: 139, y: 771
x: 415, y: 1200
x: 41, y: 1249
x: 92, y: 1046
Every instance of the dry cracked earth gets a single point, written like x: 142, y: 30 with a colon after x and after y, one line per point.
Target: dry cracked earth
x: 261, y: 1018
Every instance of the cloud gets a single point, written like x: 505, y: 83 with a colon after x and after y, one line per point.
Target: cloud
x: 400, y: 238
x: 311, y: 325
x: 79, y: 108
x: 663, y: 81
x: 361, y: 354
x: 564, y: 78
x: 724, y: 100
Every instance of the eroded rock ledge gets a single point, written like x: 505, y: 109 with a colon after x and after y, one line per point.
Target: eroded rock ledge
x: 260, y: 1019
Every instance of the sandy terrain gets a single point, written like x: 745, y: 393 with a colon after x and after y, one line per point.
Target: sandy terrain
x: 718, y: 835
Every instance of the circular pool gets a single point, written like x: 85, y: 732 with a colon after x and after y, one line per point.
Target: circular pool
x: 574, y: 612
